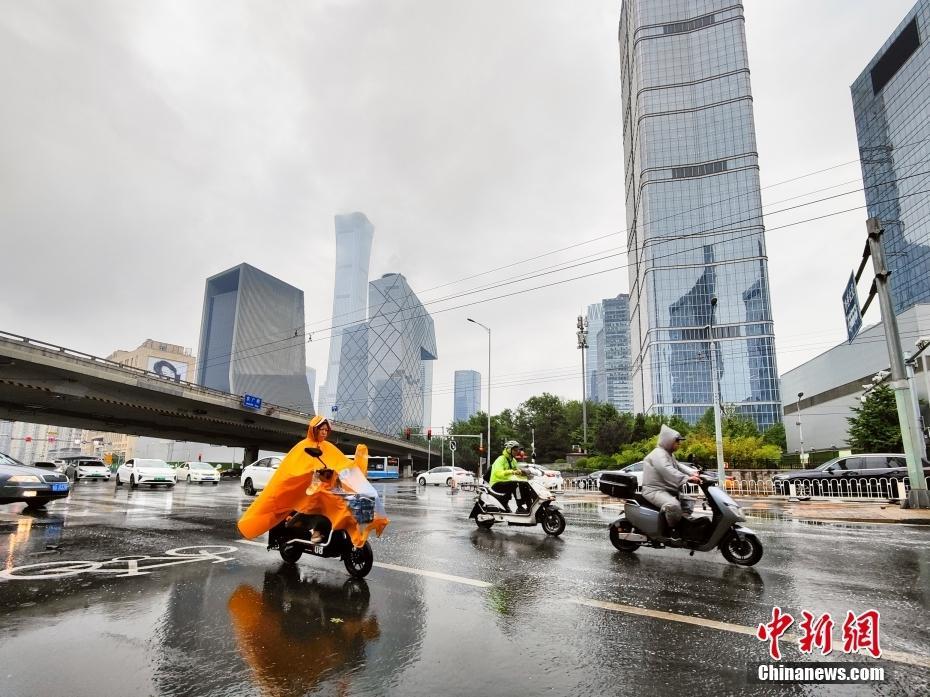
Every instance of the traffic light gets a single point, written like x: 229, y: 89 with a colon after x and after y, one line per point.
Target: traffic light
x: 429, y: 434
x: 407, y: 433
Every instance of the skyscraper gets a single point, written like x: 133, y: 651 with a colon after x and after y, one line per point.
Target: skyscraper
x: 467, y: 400
x: 252, y: 338
x: 401, y: 349
x: 354, y: 234
x: 618, y: 387
x: 694, y: 216
x: 595, y: 317
x: 891, y: 99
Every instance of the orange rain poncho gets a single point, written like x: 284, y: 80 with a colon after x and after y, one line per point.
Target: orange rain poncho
x: 294, y: 488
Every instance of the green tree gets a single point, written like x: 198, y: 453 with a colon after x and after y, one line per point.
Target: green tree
x: 546, y: 414
x: 775, y: 435
x: 875, y: 426
x: 640, y: 429
x: 614, y: 434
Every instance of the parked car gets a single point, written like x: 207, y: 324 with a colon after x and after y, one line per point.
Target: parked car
x: 636, y: 469
x: 256, y: 476
x: 231, y: 472
x: 443, y: 475
x: 866, y: 474
x: 33, y: 486
x: 145, y: 471
x: 45, y: 465
x: 589, y: 481
x: 551, y: 479
x: 91, y: 469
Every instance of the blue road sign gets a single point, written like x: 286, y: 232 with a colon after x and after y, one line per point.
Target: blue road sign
x: 851, y: 308
x: 250, y: 401
x: 334, y: 408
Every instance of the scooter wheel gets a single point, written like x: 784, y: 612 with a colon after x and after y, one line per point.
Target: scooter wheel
x: 484, y: 524
x: 358, y: 561
x: 291, y: 553
x: 622, y: 545
x: 743, y: 552
x: 553, y: 522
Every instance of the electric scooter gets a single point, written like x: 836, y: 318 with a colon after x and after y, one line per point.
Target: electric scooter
x: 491, y: 507
x: 292, y: 538
x: 643, y: 524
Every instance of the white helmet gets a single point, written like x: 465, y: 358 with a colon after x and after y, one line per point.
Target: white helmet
x: 511, y: 444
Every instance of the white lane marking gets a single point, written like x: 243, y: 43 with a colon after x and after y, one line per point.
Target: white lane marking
x: 434, y: 574
x: 896, y: 656
x: 250, y: 542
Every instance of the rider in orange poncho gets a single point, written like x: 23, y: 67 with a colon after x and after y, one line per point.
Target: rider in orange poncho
x: 294, y: 488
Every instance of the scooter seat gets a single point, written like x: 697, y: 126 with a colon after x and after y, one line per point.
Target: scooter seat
x: 644, y: 502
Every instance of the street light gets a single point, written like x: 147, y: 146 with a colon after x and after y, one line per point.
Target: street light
x: 487, y: 453
x: 715, y: 384
x: 800, y: 430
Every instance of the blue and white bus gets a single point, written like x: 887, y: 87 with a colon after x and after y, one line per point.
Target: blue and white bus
x: 381, y: 467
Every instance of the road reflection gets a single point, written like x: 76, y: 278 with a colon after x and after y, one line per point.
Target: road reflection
x: 298, y: 632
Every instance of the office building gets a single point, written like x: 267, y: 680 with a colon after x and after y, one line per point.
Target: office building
x: 252, y: 338
x: 694, y: 216
x: 618, y: 386
x: 467, y: 400
x: 593, y: 387
x: 354, y: 235
x: 891, y: 99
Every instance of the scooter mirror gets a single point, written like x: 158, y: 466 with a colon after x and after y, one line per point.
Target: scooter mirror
x: 315, y: 452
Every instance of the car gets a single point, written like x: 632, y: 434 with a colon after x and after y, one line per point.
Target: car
x: 255, y: 476
x: 234, y: 472
x: 90, y: 469
x: 443, y: 475
x: 589, y: 481
x: 636, y: 469
x: 147, y: 471
x: 853, y: 475
x: 45, y: 465
x: 199, y: 472
x: 551, y: 479
x: 33, y: 486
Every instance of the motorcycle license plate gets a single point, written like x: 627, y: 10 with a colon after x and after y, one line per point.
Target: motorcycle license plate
x: 318, y: 549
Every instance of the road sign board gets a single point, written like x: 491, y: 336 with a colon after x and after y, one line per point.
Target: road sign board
x: 334, y: 408
x: 452, y: 445
x: 250, y: 401
x: 851, y: 309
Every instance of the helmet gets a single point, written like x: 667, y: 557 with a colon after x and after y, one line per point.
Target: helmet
x: 509, y: 445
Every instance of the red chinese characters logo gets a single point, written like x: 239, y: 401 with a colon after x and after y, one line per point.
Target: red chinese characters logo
x: 860, y: 632
x: 772, y: 631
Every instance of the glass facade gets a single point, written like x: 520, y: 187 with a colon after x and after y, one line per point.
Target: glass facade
x: 467, y: 401
x: 252, y: 340
x: 596, y: 392
x: 354, y: 235
x: 891, y: 99
x: 618, y: 387
x: 694, y: 216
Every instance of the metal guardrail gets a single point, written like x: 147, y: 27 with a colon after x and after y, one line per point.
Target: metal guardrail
x: 142, y: 372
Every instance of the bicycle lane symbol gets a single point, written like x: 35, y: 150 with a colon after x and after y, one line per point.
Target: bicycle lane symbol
x: 120, y: 567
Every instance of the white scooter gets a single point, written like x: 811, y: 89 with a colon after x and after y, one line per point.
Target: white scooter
x: 491, y: 507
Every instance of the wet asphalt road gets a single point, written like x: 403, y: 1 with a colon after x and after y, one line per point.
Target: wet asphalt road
x: 448, y: 609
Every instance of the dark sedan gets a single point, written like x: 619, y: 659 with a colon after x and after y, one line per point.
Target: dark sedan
x: 868, y: 474
x: 33, y: 486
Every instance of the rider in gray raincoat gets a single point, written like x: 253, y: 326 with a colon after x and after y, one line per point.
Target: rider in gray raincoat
x: 664, y: 476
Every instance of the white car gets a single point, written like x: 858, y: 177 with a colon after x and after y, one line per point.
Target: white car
x: 443, y: 476
x: 256, y: 476
x: 636, y: 469
x: 145, y: 471
x: 199, y: 472
x: 551, y: 479
x: 89, y: 469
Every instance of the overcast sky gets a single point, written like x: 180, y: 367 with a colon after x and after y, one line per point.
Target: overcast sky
x: 147, y: 145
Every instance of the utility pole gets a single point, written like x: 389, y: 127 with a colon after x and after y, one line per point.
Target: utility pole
x: 800, y: 430
x: 917, y: 496
x: 718, y: 428
x: 583, y: 345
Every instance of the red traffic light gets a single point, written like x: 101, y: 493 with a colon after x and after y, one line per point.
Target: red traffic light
x: 429, y: 434
x: 407, y: 433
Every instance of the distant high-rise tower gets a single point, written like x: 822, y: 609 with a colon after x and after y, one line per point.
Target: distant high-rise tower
x: 618, y: 388
x: 595, y: 317
x: 401, y: 350
x: 252, y: 338
x: 891, y: 102
x: 467, y: 400
x: 354, y: 234
x: 694, y: 212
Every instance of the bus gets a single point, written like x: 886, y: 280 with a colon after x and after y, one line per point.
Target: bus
x: 382, y: 467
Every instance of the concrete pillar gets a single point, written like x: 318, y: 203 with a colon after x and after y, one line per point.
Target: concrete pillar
x: 249, y: 455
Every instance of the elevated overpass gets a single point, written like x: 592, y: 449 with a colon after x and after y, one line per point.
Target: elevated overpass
x: 49, y: 384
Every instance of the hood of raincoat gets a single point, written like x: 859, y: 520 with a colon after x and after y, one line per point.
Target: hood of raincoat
x: 667, y: 436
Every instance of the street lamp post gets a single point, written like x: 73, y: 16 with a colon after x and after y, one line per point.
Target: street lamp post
x: 488, y: 452
x: 583, y: 345
x: 718, y: 429
x: 800, y: 429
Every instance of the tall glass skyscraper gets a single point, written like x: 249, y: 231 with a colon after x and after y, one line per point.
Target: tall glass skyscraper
x: 618, y: 386
x: 694, y: 216
x: 354, y: 234
x: 467, y: 400
x: 595, y: 390
x: 891, y: 103
x: 252, y: 338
